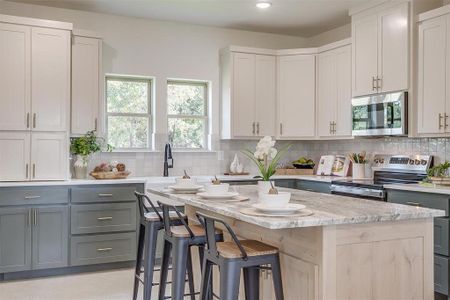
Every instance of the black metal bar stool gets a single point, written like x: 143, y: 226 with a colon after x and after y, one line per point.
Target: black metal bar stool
x: 231, y: 257
x: 151, y: 222
x: 178, y: 241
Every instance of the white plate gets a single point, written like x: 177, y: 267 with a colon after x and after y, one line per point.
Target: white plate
x: 227, y: 195
x: 289, y: 208
x: 185, y: 188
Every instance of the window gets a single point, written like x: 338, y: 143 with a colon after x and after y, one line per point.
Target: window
x: 128, y: 114
x: 187, y: 114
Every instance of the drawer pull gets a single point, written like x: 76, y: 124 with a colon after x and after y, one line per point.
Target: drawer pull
x: 32, y: 197
x: 414, y: 203
x: 104, y: 218
x: 104, y: 249
x: 105, y: 195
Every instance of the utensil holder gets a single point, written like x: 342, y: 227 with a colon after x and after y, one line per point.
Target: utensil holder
x: 359, y: 171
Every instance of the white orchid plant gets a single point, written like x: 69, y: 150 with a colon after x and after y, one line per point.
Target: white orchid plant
x: 266, y: 156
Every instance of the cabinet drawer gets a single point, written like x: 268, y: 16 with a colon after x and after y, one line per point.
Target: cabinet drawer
x: 441, y: 235
x: 441, y: 274
x: 99, y: 218
x: 33, y: 195
x: 105, y: 193
x: 98, y: 249
x: 319, y: 187
x: 436, y: 201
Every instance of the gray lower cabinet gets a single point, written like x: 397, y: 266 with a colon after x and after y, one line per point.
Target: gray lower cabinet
x: 313, y: 186
x: 50, y: 237
x: 15, y: 239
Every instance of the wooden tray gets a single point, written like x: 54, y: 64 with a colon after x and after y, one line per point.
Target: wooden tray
x: 110, y: 175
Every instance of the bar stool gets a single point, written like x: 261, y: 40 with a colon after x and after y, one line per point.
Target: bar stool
x: 178, y: 241
x: 150, y: 224
x: 231, y: 257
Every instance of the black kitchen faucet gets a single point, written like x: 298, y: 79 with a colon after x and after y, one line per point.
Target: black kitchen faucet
x: 168, y: 160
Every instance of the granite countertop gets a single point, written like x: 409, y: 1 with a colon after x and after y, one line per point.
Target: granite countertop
x: 420, y: 187
x: 327, y: 209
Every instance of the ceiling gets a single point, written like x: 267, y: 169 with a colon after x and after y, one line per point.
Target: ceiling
x: 291, y: 17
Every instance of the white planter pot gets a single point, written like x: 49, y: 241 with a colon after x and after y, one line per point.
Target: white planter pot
x: 80, y: 167
x: 359, y: 171
x: 264, y: 187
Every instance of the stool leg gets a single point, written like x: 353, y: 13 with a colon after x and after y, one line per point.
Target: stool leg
x: 179, y: 264
x: 190, y: 274
x: 206, y: 284
x: 251, y: 283
x: 165, y: 263
x: 230, y: 273
x: 151, y: 235
x: 277, y: 281
x: 140, y: 250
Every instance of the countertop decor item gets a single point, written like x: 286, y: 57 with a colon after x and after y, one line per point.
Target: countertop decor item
x: 359, y: 164
x: 113, y: 170
x: 236, y: 167
x: 266, y: 158
x: 304, y: 163
x: 439, y: 174
x: 83, y: 147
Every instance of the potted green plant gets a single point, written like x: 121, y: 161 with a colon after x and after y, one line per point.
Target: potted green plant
x: 83, y: 147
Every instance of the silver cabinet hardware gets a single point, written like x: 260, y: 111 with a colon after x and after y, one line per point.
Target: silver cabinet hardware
x: 257, y: 128
x: 26, y: 171
x: 104, y: 218
x: 105, y: 195
x: 445, y: 120
x: 35, y: 218
x: 334, y: 127
x: 34, y: 120
x: 379, y: 82
x: 34, y: 170
x: 414, y: 203
x: 281, y: 128
x: 253, y: 130
x: 28, y: 120
x: 32, y: 197
x: 374, y: 80
x: 440, y: 121
x: 104, y: 249
x: 95, y: 124
x: 29, y: 218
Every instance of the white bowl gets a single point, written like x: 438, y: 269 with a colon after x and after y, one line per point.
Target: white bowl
x: 275, y: 200
x: 217, y: 189
x: 185, y: 182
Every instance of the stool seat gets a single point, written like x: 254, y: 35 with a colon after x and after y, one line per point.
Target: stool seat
x: 197, y: 230
x: 153, y: 216
x: 252, y: 247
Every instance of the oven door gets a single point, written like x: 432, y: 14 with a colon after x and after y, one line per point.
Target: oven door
x: 379, y: 115
x: 358, y: 192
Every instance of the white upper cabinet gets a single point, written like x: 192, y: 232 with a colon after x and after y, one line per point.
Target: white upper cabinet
x: 49, y: 156
x: 380, y: 50
x: 15, y: 49
x: 50, y: 79
x: 248, y: 95
x: 14, y: 156
x: 296, y: 96
x: 334, y: 93
x: 86, y: 69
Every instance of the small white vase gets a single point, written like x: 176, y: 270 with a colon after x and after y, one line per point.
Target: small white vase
x: 80, y: 167
x: 359, y: 171
x: 264, y: 187
x: 234, y: 164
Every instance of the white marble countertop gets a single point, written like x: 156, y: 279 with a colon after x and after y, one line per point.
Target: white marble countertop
x: 327, y: 209
x: 159, y: 180
x: 420, y: 187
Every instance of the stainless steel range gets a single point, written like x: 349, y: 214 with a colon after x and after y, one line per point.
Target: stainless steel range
x: 386, y: 169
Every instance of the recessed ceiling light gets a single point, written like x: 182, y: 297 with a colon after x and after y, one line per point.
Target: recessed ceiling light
x: 263, y: 5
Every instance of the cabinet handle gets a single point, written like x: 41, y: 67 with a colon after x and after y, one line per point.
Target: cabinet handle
x: 104, y: 218
x: 26, y: 171
x: 28, y: 120
x: 257, y: 128
x: 445, y: 120
x: 379, y: 82
x: 95, y: 124
x: 253, y: 126
x: 104, y: 249
x: 440, y: 121
x: 34, y: 170
x: 414, y: 203
x: 105, y: 195
x: 281, y: 128
x: 35, y: 218
x: 32, y: 197
x: 34, y: 120
x: 334, y: 127
x: 374, y: 88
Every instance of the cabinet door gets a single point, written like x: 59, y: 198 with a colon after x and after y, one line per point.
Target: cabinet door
x: 14, y: 76
x: 243, y: 94
x: 50, y: 237
x: 296, y: 96
x: 432, y: 75
x: 15, y: 239
x: 364, y: 55
x: 326, y: 93
x: 85, y: 84
x: 14, y: 156
x: 265, y: 94
x: 393, y: 49
x: 49, y: 156
x: 343, y: 121
x: 50, y: 78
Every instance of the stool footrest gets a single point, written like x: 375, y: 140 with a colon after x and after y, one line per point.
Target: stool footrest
x: 188, y: 294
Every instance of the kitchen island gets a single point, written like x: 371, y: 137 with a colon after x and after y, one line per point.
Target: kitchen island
x: 347, y: 248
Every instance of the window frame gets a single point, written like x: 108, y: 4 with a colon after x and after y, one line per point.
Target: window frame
x: 148, y: 115
x: 204, y: 117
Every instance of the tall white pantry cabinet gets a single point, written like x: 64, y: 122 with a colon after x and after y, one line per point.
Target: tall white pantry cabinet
x: 34, y: 98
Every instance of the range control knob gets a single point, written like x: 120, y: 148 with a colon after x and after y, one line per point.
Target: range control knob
x: 417, y: 162
x: 411, y: 161
x: 423, y: 162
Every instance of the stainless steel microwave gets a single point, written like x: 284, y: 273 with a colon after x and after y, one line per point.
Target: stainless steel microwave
x: 381, y: 114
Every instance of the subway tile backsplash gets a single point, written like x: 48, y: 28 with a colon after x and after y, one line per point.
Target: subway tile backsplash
x: 208, y: 163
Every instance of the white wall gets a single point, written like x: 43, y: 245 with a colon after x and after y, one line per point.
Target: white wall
x: 161, y: 49
x: 333, y: 35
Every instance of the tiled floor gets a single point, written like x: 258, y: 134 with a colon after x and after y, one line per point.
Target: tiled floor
x: 110, y: 285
